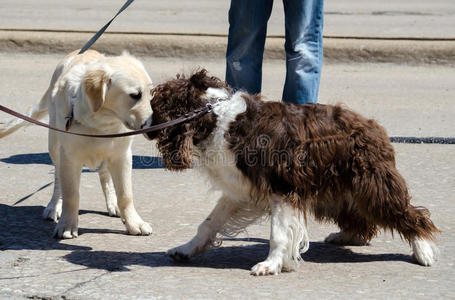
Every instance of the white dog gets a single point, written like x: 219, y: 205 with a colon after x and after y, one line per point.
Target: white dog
x: 93, y: 94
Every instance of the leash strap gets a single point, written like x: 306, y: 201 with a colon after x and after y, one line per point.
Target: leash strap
x: 187, y: 117
x: 103, y: 29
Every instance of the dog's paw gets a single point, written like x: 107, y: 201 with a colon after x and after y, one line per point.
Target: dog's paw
x: 179, y: 254
x: 66, y: 229
x: 342, y: 238
x: 138, y: 227
x: 113, y: 210
x: 53, y: 212
x: 267, y: 267
x: 424, y: 252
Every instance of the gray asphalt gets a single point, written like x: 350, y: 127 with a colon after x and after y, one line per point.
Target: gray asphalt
x: 106, y: 263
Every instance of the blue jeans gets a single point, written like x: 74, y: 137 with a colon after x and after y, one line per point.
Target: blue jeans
x: 247, y: 33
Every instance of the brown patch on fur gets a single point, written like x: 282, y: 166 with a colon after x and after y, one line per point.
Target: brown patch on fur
x: 93, y: 84
x: 347, y: 173
x: 173, y: 99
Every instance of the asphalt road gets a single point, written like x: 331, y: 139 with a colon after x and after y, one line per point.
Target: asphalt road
x: 105, y: 263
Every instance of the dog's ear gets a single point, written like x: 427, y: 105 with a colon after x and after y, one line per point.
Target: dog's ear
x: 200, y: 80
x: 176, y: 146
x: 96, y: 84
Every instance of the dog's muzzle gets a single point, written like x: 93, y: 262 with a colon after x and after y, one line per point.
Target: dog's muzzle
x: 149, y: 135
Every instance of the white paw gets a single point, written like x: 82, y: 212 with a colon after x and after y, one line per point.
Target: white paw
x: 425, y: 252
x: 342, y: 238
x: 113, y: 210
x: 267, y: 267
x: 138, y: 227
x: 180, y: 254
x: 53, y: 211
x: 66, y: 229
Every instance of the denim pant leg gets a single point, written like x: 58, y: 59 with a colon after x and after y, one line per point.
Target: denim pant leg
x: 247, y: 32
x: 304, y: 24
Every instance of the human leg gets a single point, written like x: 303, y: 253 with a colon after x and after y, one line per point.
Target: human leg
x: 304, y: 24
x: 247, y: 32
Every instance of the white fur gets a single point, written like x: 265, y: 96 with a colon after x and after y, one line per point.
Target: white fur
x: 113, y: 157
x: 424, y: 251
x: 288, y: 239
x: 236, y: 209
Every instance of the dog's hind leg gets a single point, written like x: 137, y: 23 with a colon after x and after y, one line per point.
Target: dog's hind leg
x: 53, y: 209
x: 109, y: 191
x: 355, y: 229
x: 344, y: 237
x: 288, y: 239
x: 207, y: 230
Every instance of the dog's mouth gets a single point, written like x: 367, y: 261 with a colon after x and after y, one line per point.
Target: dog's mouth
x: 127, y: 125
x: 152, y: 135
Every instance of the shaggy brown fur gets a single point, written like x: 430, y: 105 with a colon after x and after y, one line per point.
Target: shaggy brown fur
x: 330, y: 160
x: 172, y: 100
x: 324, y: 159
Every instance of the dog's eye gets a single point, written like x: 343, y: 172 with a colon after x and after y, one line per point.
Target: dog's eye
x: 136, y: 96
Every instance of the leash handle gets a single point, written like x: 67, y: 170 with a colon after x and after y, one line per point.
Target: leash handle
x: 187, y: 117
x: 103, y: 29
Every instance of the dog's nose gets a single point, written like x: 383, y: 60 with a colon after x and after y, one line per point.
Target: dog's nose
x: 148, y: 122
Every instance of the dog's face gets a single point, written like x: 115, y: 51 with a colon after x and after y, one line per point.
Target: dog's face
x: 173, y: 99
x: 176, y: 97
x: 121, y: 87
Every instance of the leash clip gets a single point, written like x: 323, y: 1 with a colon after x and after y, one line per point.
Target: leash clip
x: 209, y: 107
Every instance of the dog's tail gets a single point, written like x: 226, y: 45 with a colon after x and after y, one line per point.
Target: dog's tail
x: 37, y: 112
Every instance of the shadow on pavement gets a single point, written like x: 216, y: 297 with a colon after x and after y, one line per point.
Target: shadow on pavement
x: 23, y: 228
x: 229, y: 257
x: 321, y: 252
x: 33, y: 193
x: 139, y: 161
x: 243, y: 257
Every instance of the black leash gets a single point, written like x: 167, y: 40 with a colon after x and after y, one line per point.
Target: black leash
x: 103, y: 29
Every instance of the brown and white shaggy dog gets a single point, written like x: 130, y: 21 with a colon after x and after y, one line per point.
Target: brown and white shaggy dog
x: 286, y: 160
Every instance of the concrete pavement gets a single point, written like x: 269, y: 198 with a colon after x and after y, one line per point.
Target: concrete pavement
x: 105, y: 263
x: 413, y: 97
x: 412, y: 31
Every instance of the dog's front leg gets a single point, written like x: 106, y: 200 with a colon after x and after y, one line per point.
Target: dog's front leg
x: 70, y: 174
x: 206, y: 232
x: 120, y: 170
x: 288, y: 238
